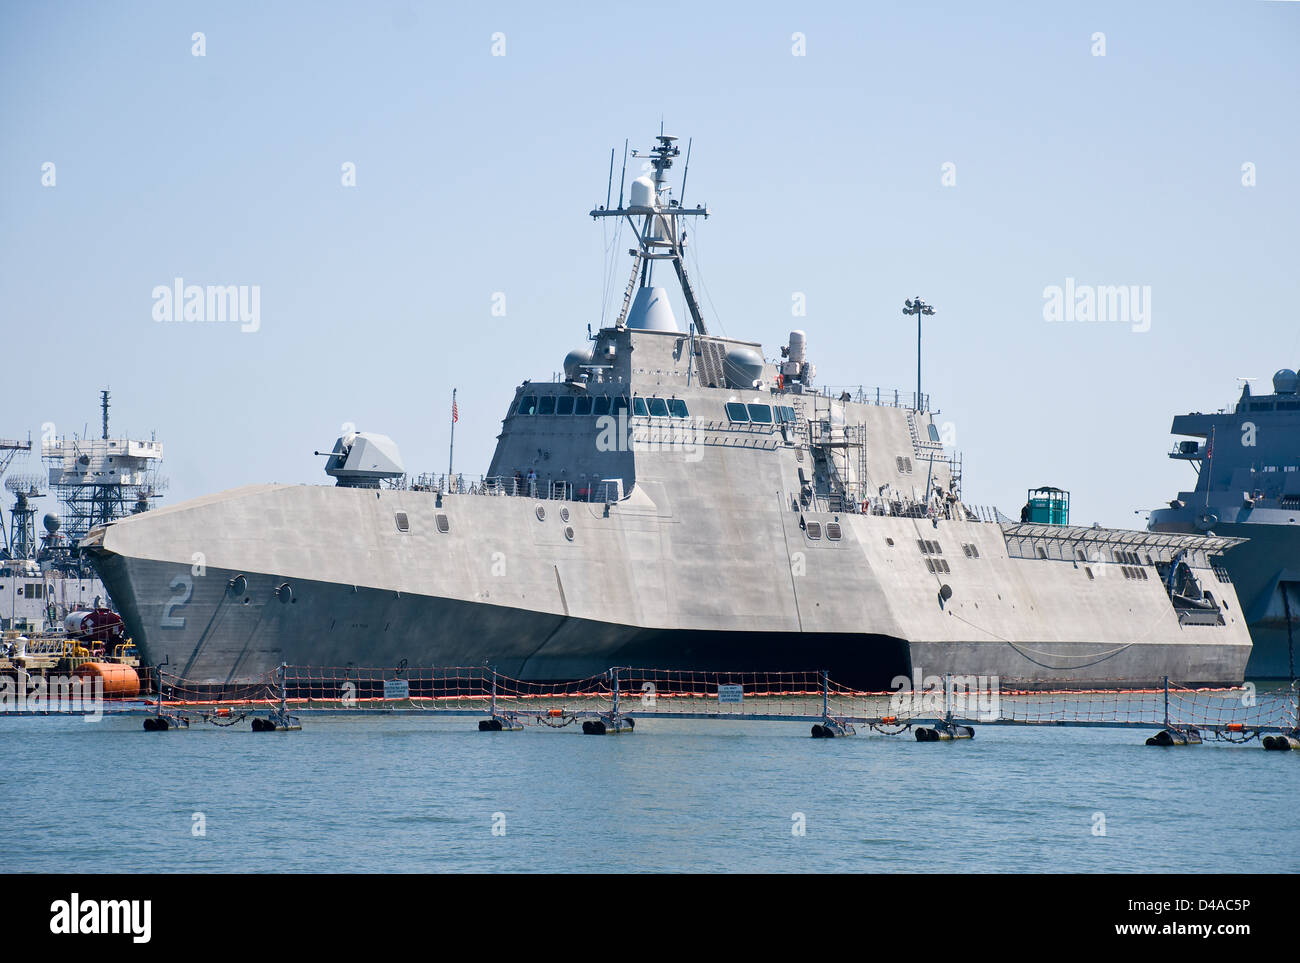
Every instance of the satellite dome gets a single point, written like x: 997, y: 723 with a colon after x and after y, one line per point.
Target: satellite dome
x: 574, y: 360
x: 642, y: 193
x: 744, y: 367
x: 1285, y: 382
x: 51, y: 522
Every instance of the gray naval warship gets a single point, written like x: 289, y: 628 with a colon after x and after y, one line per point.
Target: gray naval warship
x: 1247, y: 463
x: 674, y: 499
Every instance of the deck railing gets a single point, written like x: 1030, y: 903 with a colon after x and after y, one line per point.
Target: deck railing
x: 884, y: 397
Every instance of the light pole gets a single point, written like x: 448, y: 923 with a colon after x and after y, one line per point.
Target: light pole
x: 918, y: 307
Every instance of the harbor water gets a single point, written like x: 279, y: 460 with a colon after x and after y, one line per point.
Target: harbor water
x: 408, y: 794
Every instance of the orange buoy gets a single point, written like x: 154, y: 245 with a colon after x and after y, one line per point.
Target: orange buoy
x: 119, y: 681
x: 553, y: 713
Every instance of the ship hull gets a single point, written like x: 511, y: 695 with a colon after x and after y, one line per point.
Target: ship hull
x: 228, y: 587
x: 217, y: 639
x: 221, y: 640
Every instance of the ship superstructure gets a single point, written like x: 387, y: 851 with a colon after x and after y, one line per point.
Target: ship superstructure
x: 44, y: 578
x: 102, y: 479
x: 1247, y: 463
x: 675, y: 499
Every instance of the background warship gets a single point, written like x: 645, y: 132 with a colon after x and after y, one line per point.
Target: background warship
x: 46, y: 584
x: 1247, y: 465
x: 672, y: 500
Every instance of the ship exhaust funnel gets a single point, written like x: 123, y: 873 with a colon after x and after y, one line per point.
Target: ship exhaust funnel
x: 652, y: 312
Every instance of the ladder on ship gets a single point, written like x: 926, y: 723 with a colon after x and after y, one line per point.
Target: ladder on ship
x: 631, y: 286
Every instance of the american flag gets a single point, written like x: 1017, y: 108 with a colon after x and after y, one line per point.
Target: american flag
x: 455, y: 412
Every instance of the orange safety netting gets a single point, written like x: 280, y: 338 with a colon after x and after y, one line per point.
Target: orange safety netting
x: 740, y: 695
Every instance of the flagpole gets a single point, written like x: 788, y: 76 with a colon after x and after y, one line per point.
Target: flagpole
x: 451, y: 448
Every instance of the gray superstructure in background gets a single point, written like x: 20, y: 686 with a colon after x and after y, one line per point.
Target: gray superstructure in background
x: 1247, y: 461
x: 674, y: 499
x: 44, y: 577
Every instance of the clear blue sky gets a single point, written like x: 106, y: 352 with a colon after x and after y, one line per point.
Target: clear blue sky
x: 474, y: 174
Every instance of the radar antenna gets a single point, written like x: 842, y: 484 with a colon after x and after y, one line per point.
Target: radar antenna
x: 656, y: 220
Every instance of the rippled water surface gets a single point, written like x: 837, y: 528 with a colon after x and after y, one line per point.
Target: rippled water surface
x: 418, y: 794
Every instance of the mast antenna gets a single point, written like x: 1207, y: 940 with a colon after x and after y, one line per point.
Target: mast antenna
x: 610, y: 186
x: 657, y: 223
x: 622, y: 177
x: 681, y: 201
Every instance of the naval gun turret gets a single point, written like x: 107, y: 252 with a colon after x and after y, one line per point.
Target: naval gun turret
x: 363, y: 460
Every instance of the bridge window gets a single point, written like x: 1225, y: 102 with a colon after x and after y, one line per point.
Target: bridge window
x: 814, y: 530
x: 600, y: 405
x: 564, y: 405
x: 677, y: 408
x: 546, y: 405
x: 618, y: 405
x: 582, y: 406
x: 785, y: 414
x: 527, y: 405
x: 833, y: 531
x: 658, y: 408
x: 638, y: 407
x: 736, y: 412
x: 760, y: 414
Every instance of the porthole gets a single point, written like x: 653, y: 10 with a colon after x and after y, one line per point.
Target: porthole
x: 541, y: 513
x: 568, y: 533
x: 814, y: 530
x: 889, y: 542
x: 442, y: 524
x: 833, y: 531
x: 403, y: 523
x: 564, y: 514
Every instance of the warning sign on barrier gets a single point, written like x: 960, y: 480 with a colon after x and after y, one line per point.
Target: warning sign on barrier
x: 731, y: 693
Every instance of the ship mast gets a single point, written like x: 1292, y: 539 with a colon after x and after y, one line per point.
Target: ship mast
x: 655, y: 219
